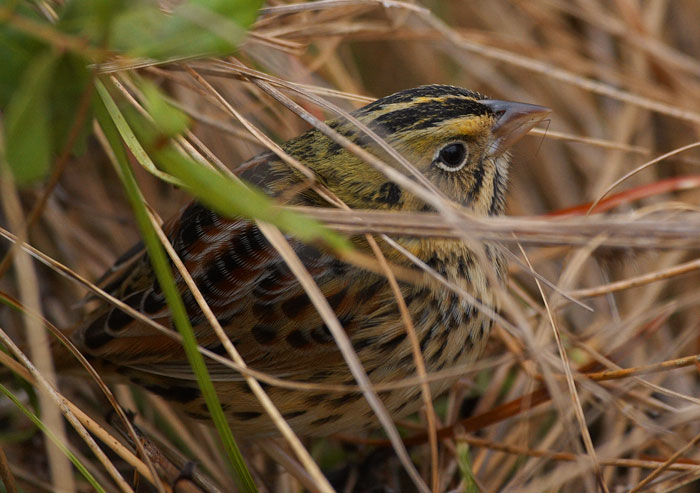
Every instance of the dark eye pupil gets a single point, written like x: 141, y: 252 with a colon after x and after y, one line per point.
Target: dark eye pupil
x: 453, y: 155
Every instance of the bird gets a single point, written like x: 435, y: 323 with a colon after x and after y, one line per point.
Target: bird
x: 458, y: 140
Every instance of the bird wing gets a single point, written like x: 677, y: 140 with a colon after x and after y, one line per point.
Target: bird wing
x: 251, y: 291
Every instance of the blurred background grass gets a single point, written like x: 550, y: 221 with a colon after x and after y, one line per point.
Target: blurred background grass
x: 623, y: 80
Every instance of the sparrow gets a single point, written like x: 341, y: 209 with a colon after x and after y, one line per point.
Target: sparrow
x: 458, y: 140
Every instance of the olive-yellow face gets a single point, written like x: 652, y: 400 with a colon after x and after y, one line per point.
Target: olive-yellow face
x: 456, y: 138
x: 454, y: 154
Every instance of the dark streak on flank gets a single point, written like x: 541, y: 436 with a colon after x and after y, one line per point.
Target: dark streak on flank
x: 326, y: 420
x: 294, y: 414
x: 246, y: 415
x: 316, y: 399
x: 392, y: 343
x: 335, y: 300
x: 425, y: 340
x: 368, y: 293
x: 178, y: 393
x: 345, y: 399
x: 322, y: 334
x: 389, y: 193
x: 320, y: 375
x: 363, y: 343
x: 402, y: 406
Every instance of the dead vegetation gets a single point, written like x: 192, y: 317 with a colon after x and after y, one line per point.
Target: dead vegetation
x: 590, y: 381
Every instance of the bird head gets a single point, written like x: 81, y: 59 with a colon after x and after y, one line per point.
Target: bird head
x: 456, y: 138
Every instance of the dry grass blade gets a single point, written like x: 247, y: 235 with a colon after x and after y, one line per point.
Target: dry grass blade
x: 623, y: 81
x: 663, y: 230
x: 605, y: 144
x: 642, y: 167
x: 572, y: 386
x: 663, y: 467
x: 235, y: 367
x: 66, y: 343
x: 320, y: 482
x: 72, y: 414
x: 28, y: 286
x: 647, y: 464
x: 431, y: 421
x: 6, y: 475
x: 634, y: 282
x: 403, y: 309
x: 330, y: 4
x: 560, y: 75
x: 96, y: 429
x: 628, y: 372
x: 348, y: 352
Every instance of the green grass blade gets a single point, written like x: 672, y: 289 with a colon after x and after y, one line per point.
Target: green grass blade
x: 39, y: 424
x: 28, y: 126
x: 106, y: 113
x: 231, y: 198
x: 465, y: 468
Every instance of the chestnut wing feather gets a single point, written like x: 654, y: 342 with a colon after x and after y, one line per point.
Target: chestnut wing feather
x: 251, y: 291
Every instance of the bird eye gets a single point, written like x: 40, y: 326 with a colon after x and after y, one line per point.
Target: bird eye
x: 452, y: 157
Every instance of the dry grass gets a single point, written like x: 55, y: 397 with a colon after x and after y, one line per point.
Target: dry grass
x: 566, y: 398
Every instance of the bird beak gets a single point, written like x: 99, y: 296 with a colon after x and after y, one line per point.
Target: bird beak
x: 513, y: 120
